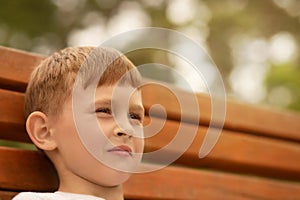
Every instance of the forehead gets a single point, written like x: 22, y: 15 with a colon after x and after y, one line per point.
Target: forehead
x: 118, y: 94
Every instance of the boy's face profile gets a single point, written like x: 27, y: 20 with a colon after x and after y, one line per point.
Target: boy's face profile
x: 119, y: 148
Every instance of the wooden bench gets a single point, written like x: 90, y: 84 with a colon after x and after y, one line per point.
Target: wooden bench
x: 256, y: 157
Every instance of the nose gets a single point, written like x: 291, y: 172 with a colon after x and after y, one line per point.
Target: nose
x: 123, y: 132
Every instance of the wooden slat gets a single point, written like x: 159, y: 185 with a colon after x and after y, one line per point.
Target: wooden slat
x: 234, y: 151
x: 183, y: 183
x: 263, y: 121
x: 12, y: 116
x: 27, y: 170
x: 239, y: 116
x: 15, y: 68
x: 6, y: 195
x: 20, y: 171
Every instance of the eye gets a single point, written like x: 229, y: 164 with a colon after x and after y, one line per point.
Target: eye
x: 103, y: 110
x: 135, y: 116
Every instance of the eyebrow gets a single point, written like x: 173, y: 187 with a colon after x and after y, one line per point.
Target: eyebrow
x: 108, y: 102
x: 137, y: 107
x: 103, y: 102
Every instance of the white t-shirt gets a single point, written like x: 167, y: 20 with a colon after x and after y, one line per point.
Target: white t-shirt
x: 54, y: 196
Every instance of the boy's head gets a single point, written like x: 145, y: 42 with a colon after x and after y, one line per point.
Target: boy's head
x: 52, y: 81
x: 51, y: 115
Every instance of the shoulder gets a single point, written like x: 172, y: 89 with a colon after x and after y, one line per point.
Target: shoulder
x: 34, y: 196
x: 54, y: 196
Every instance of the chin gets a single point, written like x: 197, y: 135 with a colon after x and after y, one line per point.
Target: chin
x: 117, y: 179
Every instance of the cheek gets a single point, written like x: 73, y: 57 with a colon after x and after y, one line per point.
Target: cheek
x: 139, y: 141
x: 70, y: 145
x: 84, y: 165
x: 139, y: 145
x: 107, y: 126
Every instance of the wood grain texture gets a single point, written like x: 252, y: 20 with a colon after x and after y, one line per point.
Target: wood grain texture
x: 182, y: 183
x: 16, y: 67
x: 235, y: 151
x: 7, y: 195
x: 239, y: 116
x: 12, y: 116
x: 26, y: 170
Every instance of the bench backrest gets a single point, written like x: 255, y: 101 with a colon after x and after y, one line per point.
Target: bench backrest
x: 256, y: 157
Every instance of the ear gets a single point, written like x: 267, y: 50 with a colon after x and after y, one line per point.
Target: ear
x: 37, y: 126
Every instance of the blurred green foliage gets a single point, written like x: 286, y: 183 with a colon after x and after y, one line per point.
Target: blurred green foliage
x: 20, y: 145
x: 286, y: 77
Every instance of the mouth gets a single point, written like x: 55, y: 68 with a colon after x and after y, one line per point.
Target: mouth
x: 121, y: 150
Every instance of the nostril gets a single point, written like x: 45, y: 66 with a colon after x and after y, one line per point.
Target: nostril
x: 120, y: 134
x: 127, y: 133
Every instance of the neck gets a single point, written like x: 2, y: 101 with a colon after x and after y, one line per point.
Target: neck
x: 105, y: 192
x: 71, y: 183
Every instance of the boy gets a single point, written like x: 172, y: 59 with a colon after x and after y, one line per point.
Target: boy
x: 61, y: 125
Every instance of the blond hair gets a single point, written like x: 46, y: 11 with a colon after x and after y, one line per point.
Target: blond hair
x: 52, y: 81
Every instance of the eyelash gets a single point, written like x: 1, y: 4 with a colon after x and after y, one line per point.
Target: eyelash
x: 133, y: 116
x: 103, y: 110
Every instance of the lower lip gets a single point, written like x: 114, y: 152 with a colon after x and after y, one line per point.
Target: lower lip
x: 121, y: 153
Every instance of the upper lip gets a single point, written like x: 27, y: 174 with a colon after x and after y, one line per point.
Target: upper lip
x: 121, y: 148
